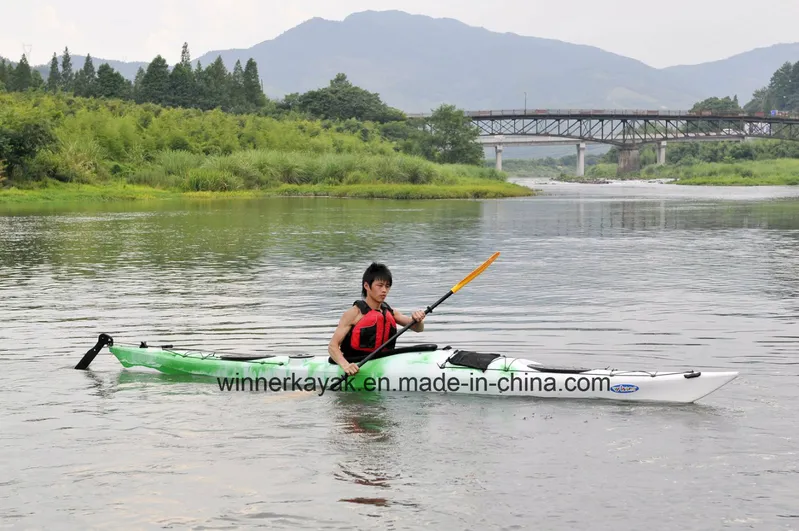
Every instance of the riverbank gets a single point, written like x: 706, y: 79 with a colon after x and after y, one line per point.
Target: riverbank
x: 59, y: 148
x: 260, y: 173
x: 57, y: 192
x: 775, y: 172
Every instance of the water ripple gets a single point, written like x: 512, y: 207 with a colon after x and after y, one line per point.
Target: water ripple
x: 630, y: 277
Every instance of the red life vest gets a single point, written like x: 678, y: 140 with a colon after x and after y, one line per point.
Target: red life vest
x: 373, y: 329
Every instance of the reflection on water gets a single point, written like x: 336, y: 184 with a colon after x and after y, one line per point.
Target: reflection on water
x: 363, y: 436
x: 624, y: 276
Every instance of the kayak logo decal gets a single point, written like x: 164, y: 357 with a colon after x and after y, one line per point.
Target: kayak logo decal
x: 624, y: 388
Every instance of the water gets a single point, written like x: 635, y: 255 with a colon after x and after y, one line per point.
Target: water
x: 630, y: 276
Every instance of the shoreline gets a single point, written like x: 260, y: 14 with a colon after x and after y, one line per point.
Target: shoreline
x: 763, y: 172
x: 120, y: 192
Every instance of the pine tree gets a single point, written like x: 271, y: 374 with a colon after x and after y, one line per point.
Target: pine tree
x: 111, y: 84
x: 216, y: 85
x: 22, y: 78
x: 200, y: 87
x: 237, y: 97
x: 137, y: 83
x: 88, y: 79
x: 37, y: 81
x: 185, y: 56
x: 792, y: 101
x: 67, y: 76
x: 81, y: 83
x: 779, y: 87
x: 182, y: 87
x: 54, y: 79
x: 253, y: 92
x: 4, y: 74
x: 155, y: 82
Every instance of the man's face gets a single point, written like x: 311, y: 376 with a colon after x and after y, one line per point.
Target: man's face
x: 378, y: 290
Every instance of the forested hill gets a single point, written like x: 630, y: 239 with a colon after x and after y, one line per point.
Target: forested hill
x: 417, y: 62
x: 740, y: 74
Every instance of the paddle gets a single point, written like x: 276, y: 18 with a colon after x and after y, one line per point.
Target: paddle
x: 471, y: 276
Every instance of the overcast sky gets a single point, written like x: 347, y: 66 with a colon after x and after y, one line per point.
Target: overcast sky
x: 658, y: 33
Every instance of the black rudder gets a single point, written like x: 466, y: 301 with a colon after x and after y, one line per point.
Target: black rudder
x: 87, y: 358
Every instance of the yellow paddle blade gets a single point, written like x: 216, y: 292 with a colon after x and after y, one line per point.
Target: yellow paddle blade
x: 474, y: 273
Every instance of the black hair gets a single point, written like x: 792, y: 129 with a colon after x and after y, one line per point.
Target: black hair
x: 375, y: 272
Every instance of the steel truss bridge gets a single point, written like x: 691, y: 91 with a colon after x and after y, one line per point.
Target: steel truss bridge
x: 625, y: 129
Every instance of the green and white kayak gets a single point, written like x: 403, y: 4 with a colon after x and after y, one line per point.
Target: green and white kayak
x: 419, y: 368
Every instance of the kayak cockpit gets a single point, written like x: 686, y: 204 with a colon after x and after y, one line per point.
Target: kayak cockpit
x: 559, y: 370
x: 413, y: 349
x: 245, y: 357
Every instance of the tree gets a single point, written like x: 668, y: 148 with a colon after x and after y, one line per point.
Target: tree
x: 792, y: 99
x: 781, y: 93
x: 342, y: 100
x: 715, y: 105
x: 4, y: 73
x: 137, y: 81
x: 236, y: 82
x: 67, y: 76
x: 155, y: 82
x: 111, y: 84
x: 54, y: 79
x: 758, y: 102
x: 86, y: 79
x: 453, y: 138
x: 22, y: 135
x: 37, y: 81
x: 779, y: 87
x: 253, y: 93
x: 182, y: 85
x: 22, y: 77
x: 216, y: 89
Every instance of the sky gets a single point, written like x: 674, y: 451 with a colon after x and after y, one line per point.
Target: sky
x: 660, y: 34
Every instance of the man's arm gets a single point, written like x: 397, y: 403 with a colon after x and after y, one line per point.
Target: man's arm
x: 334, y: 347
x: 404, y: 320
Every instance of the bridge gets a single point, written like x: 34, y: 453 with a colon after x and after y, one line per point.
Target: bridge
x: 628, y: 130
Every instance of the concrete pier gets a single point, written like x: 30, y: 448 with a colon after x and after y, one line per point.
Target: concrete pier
x: 498, y: 151
x: 581, y: 159
x: 662, y: 152
x: 629, y: 160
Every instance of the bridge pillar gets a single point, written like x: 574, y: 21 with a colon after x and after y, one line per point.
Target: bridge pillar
x: 580, y: 159
x: 662, y: 152
x: 629, y: 160
x: 498, y: 151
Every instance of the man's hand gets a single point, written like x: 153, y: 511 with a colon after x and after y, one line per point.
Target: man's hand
x: 350, y: 368
x: 418, y: 316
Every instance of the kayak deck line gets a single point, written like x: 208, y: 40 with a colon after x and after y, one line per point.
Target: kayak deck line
x: 424, y: 368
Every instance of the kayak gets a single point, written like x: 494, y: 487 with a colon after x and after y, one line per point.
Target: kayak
x: 418, y: 368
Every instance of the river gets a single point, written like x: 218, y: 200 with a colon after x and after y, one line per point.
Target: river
x: 624, y: 275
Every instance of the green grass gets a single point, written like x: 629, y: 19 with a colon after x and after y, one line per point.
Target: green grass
x: 774, y: 172
x: 262, y: 172
x: 55, y: 192
x: 111, y: 150
x: 746, y: 173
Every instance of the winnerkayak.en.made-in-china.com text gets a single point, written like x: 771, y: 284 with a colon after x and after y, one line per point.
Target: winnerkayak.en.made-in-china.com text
x: 512, y: 383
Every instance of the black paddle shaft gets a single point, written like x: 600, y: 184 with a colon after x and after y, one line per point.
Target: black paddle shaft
x: 404, y: 329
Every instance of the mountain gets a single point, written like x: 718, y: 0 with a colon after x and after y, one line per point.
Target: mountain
x: 740, y: 74
x: 416, y: 62
x: 127, y: 69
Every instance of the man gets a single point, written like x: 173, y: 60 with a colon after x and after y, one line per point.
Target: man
x: 370, y: 322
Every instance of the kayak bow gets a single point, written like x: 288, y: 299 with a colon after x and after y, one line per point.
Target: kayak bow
x: 420, y: 368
